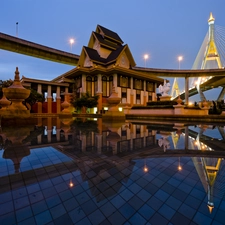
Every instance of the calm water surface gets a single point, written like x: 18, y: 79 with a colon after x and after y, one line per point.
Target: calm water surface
x: 84, y: 171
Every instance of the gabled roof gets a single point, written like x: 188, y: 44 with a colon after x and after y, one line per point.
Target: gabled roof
x: 113, y: 56
x: 109, y: 34
x: 93, y: 55
x: 105, y: 42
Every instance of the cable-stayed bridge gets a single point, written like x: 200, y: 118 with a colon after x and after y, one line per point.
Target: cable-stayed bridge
x: 210, y: 56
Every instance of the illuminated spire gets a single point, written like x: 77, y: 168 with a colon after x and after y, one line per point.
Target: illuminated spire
x: 211, y: 18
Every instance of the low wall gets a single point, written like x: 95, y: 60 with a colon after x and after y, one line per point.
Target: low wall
x: 174, y: 111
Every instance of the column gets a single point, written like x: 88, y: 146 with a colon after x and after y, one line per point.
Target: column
x: 39, y: 104
x: 115, y: 81
x: 49, y: 129
x: 186, y: 90
x: 83, y: 83
x: 131, y: 91
x: 49, y: 99
x: 145, y: 96
x: 99, y: 93
x: 58, y: 100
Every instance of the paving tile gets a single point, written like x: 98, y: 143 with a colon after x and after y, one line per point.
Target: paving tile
x: 162, y: 195
x: 144, y: 195
x: 136, y: 202
x: 70, y: 204
x: 89, y: 207
x: 8, y: 218
x: 127, y: 210
x: 173, y: 202
x: 53, y: 201
x: 134, y: 188
x: 200, y: 218
x: 21, y: 202
x: 126, y: 194
x: 43, y: 218
x: 146, y: 211
x: 57, y: 211
x: 178, y: 219
x: 117, y: 201
x: 107, y: 209
x: 166, y: 211
x: 6, y: 208
x: 154, y: 203
x: 82, y: 198
x: 39, y: 207
x: 137, y: 219
x: 28, y: 221
x: 77, y: 214
x: 96, y: 217
x: 36, y: 197
x: 24, y: 213
x: 116, y: 218
x: 158, y: 219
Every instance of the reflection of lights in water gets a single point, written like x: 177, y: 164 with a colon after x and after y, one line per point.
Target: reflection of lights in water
x: 179, y: 166
x: 145, y: 168
x: 71, y: 184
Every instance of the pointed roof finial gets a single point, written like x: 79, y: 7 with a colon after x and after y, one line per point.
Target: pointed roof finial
x: 17, y: 75
x: 211, y: 18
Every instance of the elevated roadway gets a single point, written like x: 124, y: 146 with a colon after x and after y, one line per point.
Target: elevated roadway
x: 18, y: 45
x: 25, y: 47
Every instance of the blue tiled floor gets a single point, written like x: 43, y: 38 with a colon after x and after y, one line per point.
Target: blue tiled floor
x: 106, y: 190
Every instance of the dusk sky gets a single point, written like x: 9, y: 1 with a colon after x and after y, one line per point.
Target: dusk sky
x: 164, y: 29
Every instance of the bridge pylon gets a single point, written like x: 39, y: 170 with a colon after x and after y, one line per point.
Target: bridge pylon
x: 211, y: 54
x: 175, y: 91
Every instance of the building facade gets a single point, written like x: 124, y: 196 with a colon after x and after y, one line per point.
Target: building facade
x: 104, y: 63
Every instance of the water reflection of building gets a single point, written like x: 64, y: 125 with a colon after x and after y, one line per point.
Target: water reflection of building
x: 106, y: 143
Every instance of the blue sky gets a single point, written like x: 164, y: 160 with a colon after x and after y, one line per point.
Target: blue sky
x: 164, y: 29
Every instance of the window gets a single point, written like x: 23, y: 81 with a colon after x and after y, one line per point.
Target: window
x: 89, y: 84
x: 124, y: 81
x: 138, y: 84
x: 104, y: 86
x: 149, y: 86
x: 138, y: 97
x: 96, y: 84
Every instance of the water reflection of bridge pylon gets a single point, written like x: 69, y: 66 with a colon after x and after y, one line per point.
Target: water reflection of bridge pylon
x: 207, y: 168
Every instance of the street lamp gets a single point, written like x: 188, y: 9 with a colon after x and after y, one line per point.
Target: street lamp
x: 71, y: 43
x: 180, y: 58
x: 146, y: 56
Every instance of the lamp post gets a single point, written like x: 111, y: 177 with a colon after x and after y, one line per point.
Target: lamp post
x: 71, y: 43
x: 17, y: 29
x: 180, y: 58
x: 146, y: 56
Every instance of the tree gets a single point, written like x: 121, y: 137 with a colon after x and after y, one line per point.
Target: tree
x: 34, y: 97
x: 86, y: 100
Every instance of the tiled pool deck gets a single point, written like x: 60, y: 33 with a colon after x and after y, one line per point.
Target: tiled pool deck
x: 106, y: 190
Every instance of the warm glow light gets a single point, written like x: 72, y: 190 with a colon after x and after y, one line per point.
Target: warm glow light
x: 71, y: 184
x: 72, y: 41
x: 120, y: 109
x: 146, y: 56
x: 180, y: 58
x: 190, y: 103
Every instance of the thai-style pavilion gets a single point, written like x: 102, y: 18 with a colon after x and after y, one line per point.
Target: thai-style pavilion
x: 104, y: 63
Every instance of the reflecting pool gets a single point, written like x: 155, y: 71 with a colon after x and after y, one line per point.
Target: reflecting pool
x: 85, y: 171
